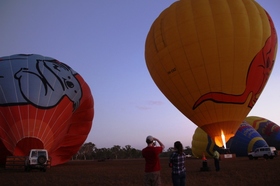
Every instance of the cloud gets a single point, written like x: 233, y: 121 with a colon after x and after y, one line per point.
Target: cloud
x: 148, y: 105
x: 155, y: 102
x: 143, y: 107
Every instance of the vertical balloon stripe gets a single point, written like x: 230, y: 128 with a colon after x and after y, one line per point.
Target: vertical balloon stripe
x: 59, y: 127
x: 11, y: 129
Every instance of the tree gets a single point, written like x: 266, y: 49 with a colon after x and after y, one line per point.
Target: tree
x: 103, y: 153
x: 89, y: 151
x: 188, y: 150
x: 116, y: 150
x: 86, y: 151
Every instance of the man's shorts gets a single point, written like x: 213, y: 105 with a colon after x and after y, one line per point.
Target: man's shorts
x: 152, y: 178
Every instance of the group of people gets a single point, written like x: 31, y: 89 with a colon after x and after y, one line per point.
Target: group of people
x: 176, y: 162
x: 152, y: 166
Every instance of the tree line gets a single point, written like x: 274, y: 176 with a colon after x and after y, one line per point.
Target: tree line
x: 89, y: 151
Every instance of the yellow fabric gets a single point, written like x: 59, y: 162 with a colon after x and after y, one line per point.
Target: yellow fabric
x: 201, y: 144
x: 197, y: 47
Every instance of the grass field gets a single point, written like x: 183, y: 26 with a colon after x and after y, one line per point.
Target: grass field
x: 235, y: 172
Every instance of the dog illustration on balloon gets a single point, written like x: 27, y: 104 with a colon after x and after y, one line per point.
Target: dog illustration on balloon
x: 42, y: 82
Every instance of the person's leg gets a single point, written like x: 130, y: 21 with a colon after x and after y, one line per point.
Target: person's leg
x: 146, y: 179
x: 156, y: 179
x: 217, y: 166
x: 183, y: 179
x: 176, y: 179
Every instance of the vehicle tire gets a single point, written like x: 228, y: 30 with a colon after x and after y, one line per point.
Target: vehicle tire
x: 265, y: 156
x: 41, y: 160
x: 250, y: 157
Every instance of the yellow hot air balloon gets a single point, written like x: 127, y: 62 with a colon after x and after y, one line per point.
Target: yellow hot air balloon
x: 202, y: 144
x: 212, y: 59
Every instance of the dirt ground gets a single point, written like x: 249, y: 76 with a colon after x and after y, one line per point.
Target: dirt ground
x: 238, y: 171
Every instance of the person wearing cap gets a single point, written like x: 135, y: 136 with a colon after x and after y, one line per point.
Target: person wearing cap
x: 152, y: 165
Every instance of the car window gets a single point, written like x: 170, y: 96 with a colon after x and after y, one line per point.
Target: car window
x: 42, y: 153
x: 34, y: 154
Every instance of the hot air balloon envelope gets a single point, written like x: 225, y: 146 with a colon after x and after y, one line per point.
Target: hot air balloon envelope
x: 269, y: 130
x: 44, y: 103
x: 245, y: 140
x: 202, y: 144
x: 212, y: 59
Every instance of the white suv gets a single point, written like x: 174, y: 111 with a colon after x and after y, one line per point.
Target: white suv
x: 262, y: 152
x: 37, y: 159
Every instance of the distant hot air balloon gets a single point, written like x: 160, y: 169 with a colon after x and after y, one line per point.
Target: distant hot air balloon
x: 212, y: 59
x: 202, y: 144
x: 269, y: 130
x: 246, y: 139
x: 44, y: 103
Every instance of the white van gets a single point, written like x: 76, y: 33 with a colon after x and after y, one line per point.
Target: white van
x: 262, y: 152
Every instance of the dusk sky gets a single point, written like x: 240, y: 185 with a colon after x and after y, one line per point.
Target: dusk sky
x: 104, y: 41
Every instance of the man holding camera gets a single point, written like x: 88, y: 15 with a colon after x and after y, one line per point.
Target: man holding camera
x: 152, y: 166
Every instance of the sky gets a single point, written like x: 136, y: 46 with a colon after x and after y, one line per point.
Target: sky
x: 104, y: 41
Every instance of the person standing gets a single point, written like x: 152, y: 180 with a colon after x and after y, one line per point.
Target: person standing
x: 216, y: 157
x: 177, y: 162
x: 152, y: 162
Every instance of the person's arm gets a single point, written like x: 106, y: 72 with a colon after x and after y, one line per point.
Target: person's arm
x: 160, y: 143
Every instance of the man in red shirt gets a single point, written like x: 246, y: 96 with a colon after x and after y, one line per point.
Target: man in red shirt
x: 152, y: 166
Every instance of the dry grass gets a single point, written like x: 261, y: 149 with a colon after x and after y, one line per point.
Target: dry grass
x: 239, y: 171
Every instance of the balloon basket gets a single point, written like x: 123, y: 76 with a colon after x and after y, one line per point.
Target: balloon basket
x: 227, y: 156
